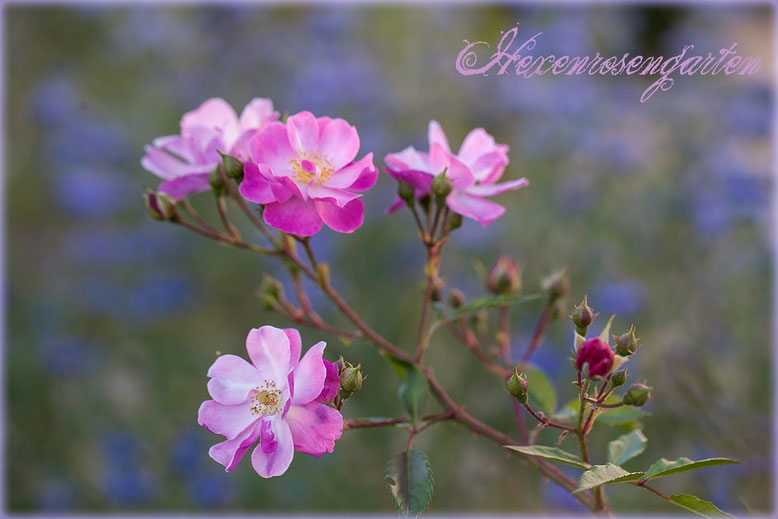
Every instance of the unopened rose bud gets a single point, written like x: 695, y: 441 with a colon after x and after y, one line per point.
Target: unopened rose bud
x: 456, y: 298
x: 350, y: 380
x: 406, y: 192
x: 556, y: 285
x: 455, y: 221
x: 437, y: 288
x: 619, y: 377
x: 160, y: 206
x: 504, y: 277
x: 441, y: 187
x: 232, y: 166
x: 637, y: 395
x: 582, y: 317
x: 271, y: 291
x: 217, y: 181
x: 627, y: 344
x: 517, y: 386
x: 597, y: 354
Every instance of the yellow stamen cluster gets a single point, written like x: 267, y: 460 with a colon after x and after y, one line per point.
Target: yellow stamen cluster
x: 323, y: 163
x: 266, y: 399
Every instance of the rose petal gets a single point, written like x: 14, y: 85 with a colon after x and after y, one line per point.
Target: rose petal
x: 230, y: 452
x: 271, y: 147
x: 477, y: 208
x: 255, y: 187
x: 231, y: 379
x: 276, y: 462
x: 215, y: 114
x: 295, y: 346
x: 314, y: 427
x: 294, y: 217
x: 331, y: 383
x: 435, y: 136
x: 345, y: 219
x: 269, y: 351
x: 496, y: 189
x: 339, y: 143
x: 309, y: 375
x: 303, y: 132
x: 227, y: 420
x: 339, y: 196
x: 352, y: 175
x: 180, y: 188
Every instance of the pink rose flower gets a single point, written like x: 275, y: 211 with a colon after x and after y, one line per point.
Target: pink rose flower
x: 184, y: 161
x: 474, y: 172
x: 598, y: 354
x: 304, y: 173
x: 276, y: 400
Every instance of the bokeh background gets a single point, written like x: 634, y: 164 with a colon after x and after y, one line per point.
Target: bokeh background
x: 661, y: 212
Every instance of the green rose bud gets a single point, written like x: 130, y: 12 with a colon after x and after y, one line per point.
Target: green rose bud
x: 517, y: 386
x: 350, y: 380
x: 456, y: 298
x: 619, y: 377
x: 406, y: 192
x: 441, y: 187
x: 455, y: 221
x: 160, y: 206
x: 217, y: 181
x: 504, y: 277
x: 582, y: 317
x: 627, y: 344
x: 637, y: 395
x: 232, y: 166
x: 556, y: 285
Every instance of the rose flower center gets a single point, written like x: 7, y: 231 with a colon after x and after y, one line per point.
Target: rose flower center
x: 311, y: 167
x: 266, y: 400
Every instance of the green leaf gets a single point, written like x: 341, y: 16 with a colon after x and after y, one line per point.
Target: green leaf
x: 604, y: 475
x: 542, y: 394
x: 413, y: 386
x: 665, y: 467
x: 409, y: 478
x: 697, y: 505
x: 606, y: 331
x: 626, y: 447
x: 552, y: 453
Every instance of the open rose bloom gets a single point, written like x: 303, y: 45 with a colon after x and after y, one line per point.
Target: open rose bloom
x: 473, y: 171
x: 184, y: 161
x: 278, y: 400
x: 305, y: 174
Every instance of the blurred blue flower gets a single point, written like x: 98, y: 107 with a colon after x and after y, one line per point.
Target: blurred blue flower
x: 159, y: 296
x: 125, y: 478
x: 89, y: 192
x: 623, y: 298
x: 188, y: 451
x: 80, y: 141
x: 146, y: 243
x: 211, y: 489
x: 55, y: 101
x: 55, y: 494
x: 68, y: 355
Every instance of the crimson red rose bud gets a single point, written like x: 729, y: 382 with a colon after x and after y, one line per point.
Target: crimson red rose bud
x: 504, y: 277
x: 597, y: 354
x: 627, y: 344
x: 637, y: 395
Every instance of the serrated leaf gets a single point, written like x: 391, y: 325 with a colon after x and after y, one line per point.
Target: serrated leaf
x: 409, y: 478
x: 626, y: 447
x: 542, y: 394
x: 665, y: 467
x: 697, y: 505
x: 605, y: 475
x: 482, y: 303
x: 552, y: 453
x: 606, y: 331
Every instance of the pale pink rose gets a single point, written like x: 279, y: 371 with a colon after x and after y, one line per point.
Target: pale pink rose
x: 473, y: 171
x: 276, y: 400
x: 184, y: 161
x: 305, y: 174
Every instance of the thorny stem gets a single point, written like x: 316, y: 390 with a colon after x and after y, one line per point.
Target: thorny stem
x: 545, y: 421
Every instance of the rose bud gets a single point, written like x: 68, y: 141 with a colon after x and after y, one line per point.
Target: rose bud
x: 160, y: 206
x: 406, y: 192
x: 504, y: 277
x: 619, y: 377
x: 441, y: 187
x: 637, y: 395
x: 455, y: 221
x: 517, y: 386
x: 456, y: 298
x: 627, y: 344
x: 232, y: 166
x: 582, y: 317
x: 556, y: 285
x: 350, y: 380
x: 597, y: 354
